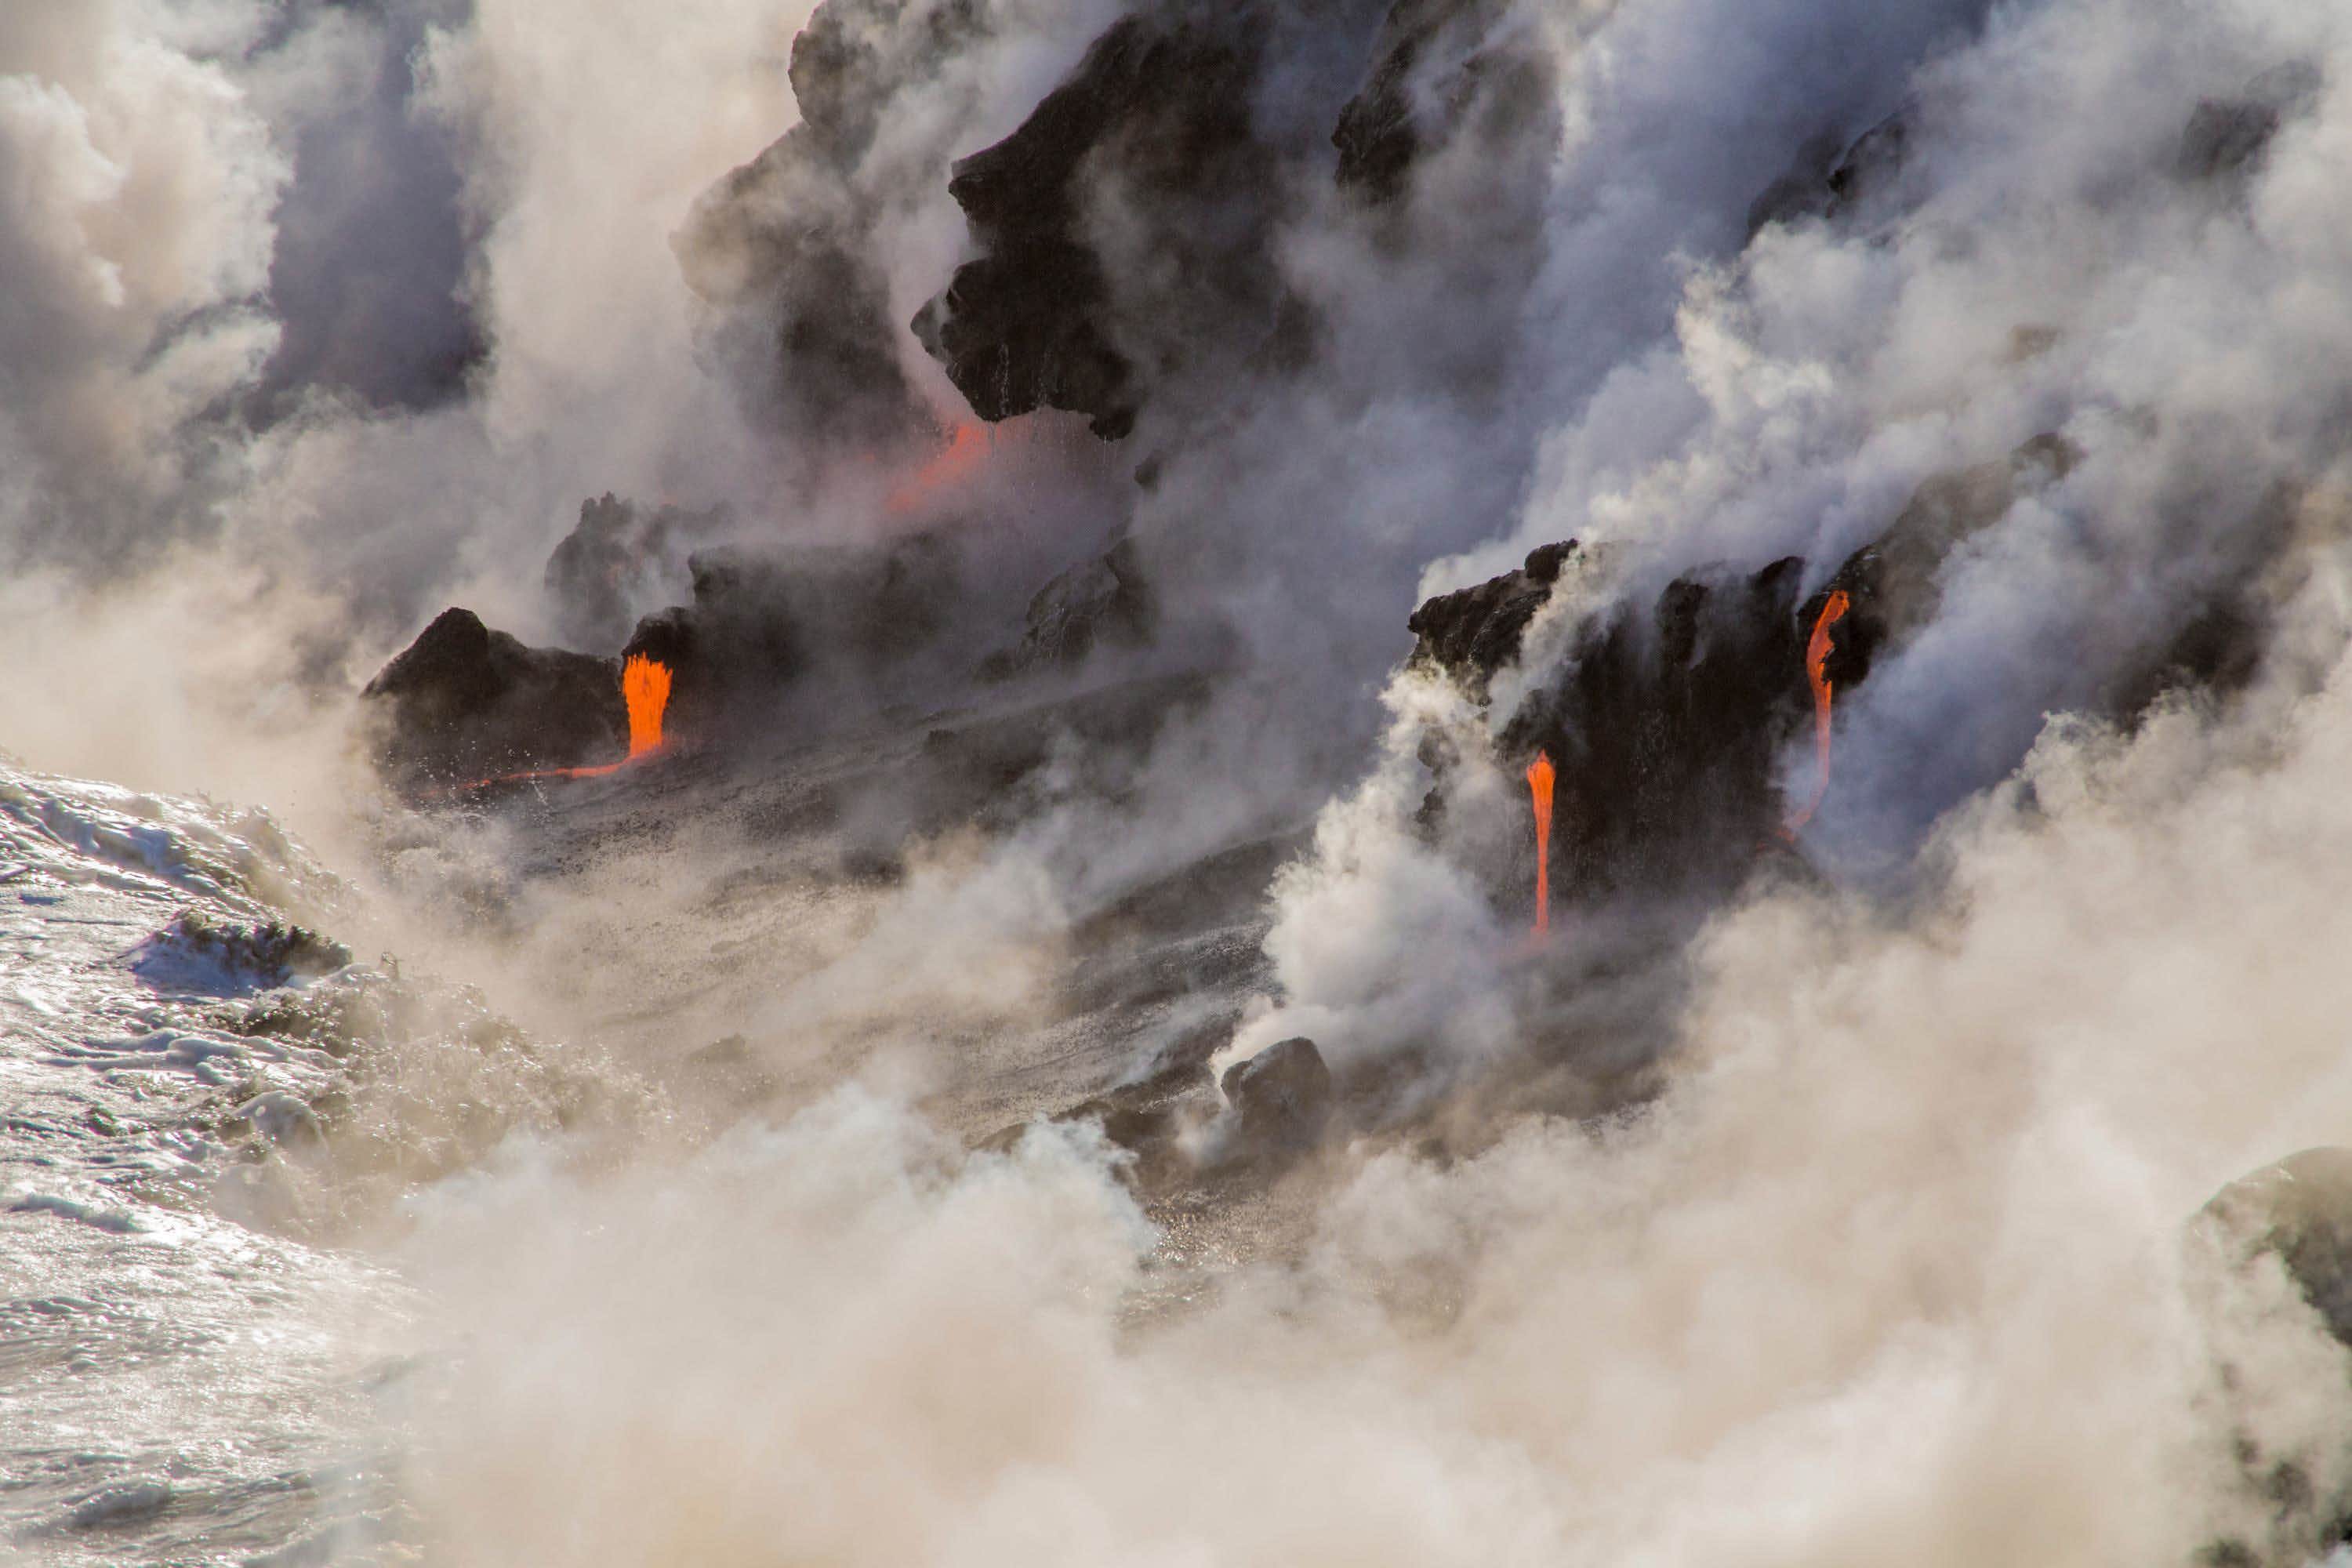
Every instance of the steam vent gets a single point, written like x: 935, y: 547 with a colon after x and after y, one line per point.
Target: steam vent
x: 973, y: 783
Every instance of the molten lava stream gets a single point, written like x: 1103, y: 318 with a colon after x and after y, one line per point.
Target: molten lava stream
x: 645, y: 687
x: 1540, y: 783
x: 644, y: 690
x: 1817, y: 661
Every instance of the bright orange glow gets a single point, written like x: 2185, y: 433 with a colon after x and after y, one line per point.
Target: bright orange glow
x: 645, y: 688
x: 953, y: 467
x: 1817, y: 663
x: 1540, y: 783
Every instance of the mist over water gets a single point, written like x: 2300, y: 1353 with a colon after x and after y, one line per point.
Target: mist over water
x: 735, y: 1158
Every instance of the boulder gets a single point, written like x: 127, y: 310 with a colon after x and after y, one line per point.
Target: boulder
x: 466, y: 703
x: 1281, y: 1098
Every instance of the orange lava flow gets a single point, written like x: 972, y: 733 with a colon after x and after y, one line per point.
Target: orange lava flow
x: 1817, y: 661
x: 1539, y: 781
x: 644, y: 687
x: 953, y: 468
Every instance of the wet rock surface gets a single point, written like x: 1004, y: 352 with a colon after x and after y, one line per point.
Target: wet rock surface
x: 198, y: 953
x: 464, y: 702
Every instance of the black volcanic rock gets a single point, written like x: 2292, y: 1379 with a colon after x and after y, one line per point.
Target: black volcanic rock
x: 617, y: 557
x: 465, y: 702
x: 784, y: 251
x: 1665, y: 723
x: 1154, y: 129
x: 1102, y: 601
x: 1830, y: 176
x: 760, y: 622
x: 2228, y: 136
x: 2301, y: 1209
x: 1667, y: 719
x: 1472, y: 632
x: 1438, y: 66
x: 1281, y: 1098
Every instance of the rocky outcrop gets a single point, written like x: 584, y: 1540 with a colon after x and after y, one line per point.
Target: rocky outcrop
x: 784, y: 251
x: 617, y: 559
x: 1281, y: 1098
x: 760, y: 621
x: 1832, y: 175
x: 2226, y: 137
x: 465, y: 702
x: 2301, y: 1210
x: 1668, y: 719
x: 1440, y: 68
x: 1155, y: 119
x: 1125, y: 231
x: 1669, y: 714
x: 1474, y: 632
x: 1102, y: 601
x: 1665, y: 721
x: 1662, y: 722
x: 195, y: 952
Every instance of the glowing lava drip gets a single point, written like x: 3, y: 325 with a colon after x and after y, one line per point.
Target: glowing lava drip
x: 1539, y: 781
x: 1816, y: 659
x: 644, y: 687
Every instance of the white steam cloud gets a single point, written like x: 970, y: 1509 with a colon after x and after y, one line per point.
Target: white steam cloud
x: 1894, y: 1257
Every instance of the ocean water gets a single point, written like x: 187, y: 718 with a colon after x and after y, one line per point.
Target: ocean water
x: 184, y: 1377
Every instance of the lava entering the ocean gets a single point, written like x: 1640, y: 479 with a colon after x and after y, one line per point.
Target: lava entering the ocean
x: 644, y: 687
x: 1817, y: 658
x: 1539, y: 781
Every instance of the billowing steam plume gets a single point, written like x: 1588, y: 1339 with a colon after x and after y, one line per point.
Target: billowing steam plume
x: 1096, y: 505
